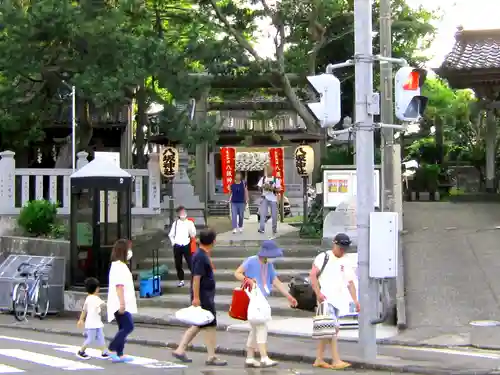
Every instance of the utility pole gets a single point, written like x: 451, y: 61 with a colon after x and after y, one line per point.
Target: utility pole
x: 386, y: 111
x: 364, y: 169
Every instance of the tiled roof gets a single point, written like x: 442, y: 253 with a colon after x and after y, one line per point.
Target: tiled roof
x: 473, y: 50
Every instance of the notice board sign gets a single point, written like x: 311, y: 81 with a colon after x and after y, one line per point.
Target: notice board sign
x: 339, y: 185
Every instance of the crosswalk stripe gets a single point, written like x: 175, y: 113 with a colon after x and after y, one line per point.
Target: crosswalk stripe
x: 94, y: 353
x: 4, y: 369
x: 47, y: 360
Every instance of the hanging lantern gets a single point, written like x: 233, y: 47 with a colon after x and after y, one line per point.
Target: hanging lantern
x: 304, y: 160
x: 169, y: 161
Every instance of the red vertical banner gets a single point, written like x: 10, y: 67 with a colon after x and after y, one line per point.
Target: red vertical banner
x: 276, y: 158
x: 228, y: 160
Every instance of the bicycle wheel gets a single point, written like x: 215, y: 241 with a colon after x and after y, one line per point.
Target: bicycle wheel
x: 20, y: 301
x: 42, y: 303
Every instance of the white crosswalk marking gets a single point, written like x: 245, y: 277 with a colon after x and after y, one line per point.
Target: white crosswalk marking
x: 65, y: 364
x: 47, y: 360
x: 4, y: 369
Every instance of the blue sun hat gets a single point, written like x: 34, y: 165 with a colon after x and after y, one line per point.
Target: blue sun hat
x: 269, y: 249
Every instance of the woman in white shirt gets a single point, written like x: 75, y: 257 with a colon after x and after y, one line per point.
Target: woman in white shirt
x: 121, y: 298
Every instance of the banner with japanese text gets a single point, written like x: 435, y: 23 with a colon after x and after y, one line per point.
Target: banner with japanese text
x: 228, y: 160
x: 276, y: 158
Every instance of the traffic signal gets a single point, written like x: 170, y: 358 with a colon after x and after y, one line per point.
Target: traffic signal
x: 328, y: 110
x: 410, y: 105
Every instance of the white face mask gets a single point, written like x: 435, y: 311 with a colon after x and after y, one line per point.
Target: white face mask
x: 130, y: 253
x: 183, y: 217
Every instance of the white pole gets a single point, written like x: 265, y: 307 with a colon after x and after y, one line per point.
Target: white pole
x: 364, y: 169
x: 73, y: 128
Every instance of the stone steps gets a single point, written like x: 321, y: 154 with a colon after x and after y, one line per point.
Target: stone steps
x: 231, y: 263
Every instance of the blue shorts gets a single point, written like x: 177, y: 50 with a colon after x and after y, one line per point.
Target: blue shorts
x: 94, y: 335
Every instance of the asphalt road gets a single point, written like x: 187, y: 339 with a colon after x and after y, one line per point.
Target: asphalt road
x: 42, y: 353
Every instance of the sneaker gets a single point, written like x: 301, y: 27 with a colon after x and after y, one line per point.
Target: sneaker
x: 252, y: 363
x: 180, y: 284
x: 82, y: 355
x: 241, y: 230
x: 261, y: 231
x: 268, y: 362
x: 105, y: 355
x: 234, y: 231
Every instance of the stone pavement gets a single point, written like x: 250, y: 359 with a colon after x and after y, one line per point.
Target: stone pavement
x: 390, y: 358
x: 451, y: 260
x: 250, y: 231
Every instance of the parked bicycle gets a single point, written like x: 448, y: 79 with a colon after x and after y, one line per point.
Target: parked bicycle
x: 32, y: 292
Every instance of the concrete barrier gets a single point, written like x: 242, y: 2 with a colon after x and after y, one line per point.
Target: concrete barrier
x: 484, y: 334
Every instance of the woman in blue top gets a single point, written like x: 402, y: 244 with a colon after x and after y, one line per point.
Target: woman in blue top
x: 238, y: 199
x: 258, y: 271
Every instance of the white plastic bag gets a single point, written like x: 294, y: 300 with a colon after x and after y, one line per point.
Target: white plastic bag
x: 194, y: 316
x: 259, y: 310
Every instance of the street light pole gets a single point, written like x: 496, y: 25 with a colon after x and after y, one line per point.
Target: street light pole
x: 365, y: 200
x: 386, y: 110
x: 73, y: 128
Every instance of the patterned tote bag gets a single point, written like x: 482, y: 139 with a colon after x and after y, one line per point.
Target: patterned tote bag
x: 325, y: 324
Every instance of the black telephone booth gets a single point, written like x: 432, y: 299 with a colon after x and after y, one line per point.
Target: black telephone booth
x: 100, y: 214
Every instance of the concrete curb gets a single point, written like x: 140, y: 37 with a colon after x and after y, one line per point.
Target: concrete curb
x: 356, y: 363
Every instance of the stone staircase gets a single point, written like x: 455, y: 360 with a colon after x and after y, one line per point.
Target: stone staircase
x: 227, y: 257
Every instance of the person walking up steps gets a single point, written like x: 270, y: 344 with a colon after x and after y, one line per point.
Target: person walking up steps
x: 90, y: 318
x: 181, y: 233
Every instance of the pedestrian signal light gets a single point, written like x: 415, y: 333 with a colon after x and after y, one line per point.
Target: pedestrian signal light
x: 328, y: 110
x: 409, y: 104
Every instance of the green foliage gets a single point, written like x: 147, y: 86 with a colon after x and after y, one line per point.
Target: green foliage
x: 38, y: 218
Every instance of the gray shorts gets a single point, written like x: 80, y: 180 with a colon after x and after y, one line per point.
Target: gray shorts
x: 94, y: 335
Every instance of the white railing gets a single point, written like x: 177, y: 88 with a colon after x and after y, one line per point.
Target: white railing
x: 20, y: 185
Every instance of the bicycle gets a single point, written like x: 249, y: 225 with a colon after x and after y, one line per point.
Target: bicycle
x: 35, y: 295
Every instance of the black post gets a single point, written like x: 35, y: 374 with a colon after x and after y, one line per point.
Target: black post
x: 305, y: 197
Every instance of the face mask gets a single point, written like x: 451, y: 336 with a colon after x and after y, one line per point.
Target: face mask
x: 129, y: 254
x: 183, y: 217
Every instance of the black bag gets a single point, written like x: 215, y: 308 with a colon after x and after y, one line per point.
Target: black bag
x: 301, y: 289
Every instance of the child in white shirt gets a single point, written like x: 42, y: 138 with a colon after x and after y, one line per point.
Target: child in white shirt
x: 91, y: 315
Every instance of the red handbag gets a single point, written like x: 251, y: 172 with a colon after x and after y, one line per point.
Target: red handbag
x: 239, y: 304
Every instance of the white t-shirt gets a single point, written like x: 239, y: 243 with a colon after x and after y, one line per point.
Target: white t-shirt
x: 181, y: 232
x: 269, y: 195
x: 335, y: 277
x: 119, y: 274
x: 92, y: 308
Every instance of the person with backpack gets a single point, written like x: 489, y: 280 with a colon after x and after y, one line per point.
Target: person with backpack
x: 270, y: 187
x: 181, y: 234
x: 330, y: 273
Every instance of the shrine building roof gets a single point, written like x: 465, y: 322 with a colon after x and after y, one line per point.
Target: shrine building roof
x: 474, y: 60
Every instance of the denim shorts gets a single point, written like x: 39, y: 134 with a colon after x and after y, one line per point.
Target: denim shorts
x: 334, y: 313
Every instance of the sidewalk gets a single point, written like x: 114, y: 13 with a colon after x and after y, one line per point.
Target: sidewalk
x: 390, y: 358
x: 250, y: 232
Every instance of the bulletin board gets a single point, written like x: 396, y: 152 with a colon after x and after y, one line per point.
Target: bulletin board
x: 341, y: 184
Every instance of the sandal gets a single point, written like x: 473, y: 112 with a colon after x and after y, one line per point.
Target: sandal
x: 340, y: 366
x: 182, y: 357
x: 214, y: 361
x: 322, y: 364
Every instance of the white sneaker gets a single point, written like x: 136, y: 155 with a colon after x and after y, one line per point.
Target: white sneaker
x: 268, y: 362
x: 234, y: 231
x: 241, y: 230
x: 180, y: 284
x: 251, y: 362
